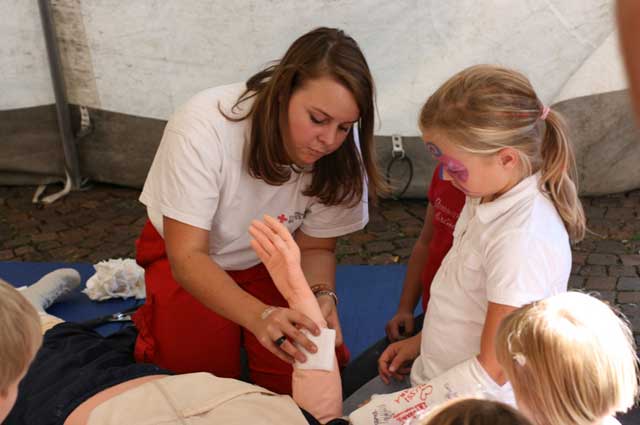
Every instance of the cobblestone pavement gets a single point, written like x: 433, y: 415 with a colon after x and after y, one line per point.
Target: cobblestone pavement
x: 104, y: 221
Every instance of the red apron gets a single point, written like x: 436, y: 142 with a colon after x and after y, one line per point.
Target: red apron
x: 178, y: 333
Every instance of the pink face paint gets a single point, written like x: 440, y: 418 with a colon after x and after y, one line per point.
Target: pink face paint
x: 452, y: 166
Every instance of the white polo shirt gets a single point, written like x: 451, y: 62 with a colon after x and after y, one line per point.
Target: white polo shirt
x: 512, y: 251
x: 199, y: 177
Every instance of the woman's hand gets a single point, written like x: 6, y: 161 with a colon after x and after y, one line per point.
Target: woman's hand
x: 330, y: 313
x: 281, y: 322
x: 400, y: 325
x: 395, y: 361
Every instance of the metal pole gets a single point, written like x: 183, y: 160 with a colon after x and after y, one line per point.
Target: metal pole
x: 72, y: 166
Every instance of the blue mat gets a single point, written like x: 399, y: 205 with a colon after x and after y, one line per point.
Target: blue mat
x: 368, y: 298
x: 73, y: 307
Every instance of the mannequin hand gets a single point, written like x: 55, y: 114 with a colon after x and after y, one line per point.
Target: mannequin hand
x: 281, y: 256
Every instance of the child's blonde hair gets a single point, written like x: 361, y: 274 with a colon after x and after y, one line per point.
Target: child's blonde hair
x: 487, y: 108
x: 570, y: 359
x: 20, y: 335
x: 471, y: 411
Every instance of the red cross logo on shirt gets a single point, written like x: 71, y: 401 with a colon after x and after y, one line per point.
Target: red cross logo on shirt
x: 282, y: 218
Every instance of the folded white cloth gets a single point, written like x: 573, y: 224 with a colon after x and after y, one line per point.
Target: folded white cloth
x: 116, y: 278
x: 323, y: 358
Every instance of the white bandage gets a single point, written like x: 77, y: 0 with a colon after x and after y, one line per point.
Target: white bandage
x: 323, y: 358
x: 116, y: 278
x: 467, y: 379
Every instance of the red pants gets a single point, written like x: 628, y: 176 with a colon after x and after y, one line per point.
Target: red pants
x: 178, y: 333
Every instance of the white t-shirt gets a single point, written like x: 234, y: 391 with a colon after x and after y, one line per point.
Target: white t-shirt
x: 198, y: 177
x: 512, y: 251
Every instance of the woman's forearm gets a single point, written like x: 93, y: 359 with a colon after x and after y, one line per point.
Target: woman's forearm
x: 319, y: 266
x: 317, y: 259
x: 199, y: 275
x: 192, y: 267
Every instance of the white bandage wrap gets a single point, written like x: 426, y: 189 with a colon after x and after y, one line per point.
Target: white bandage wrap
x: 323, y: 358
x: 467, y: 379
x: 116, y: 278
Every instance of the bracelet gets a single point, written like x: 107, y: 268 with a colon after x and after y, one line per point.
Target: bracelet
x: 322, y: 289
x: 267, y: 311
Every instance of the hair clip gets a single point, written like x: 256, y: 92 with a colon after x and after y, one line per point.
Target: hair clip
x: 518, y: 357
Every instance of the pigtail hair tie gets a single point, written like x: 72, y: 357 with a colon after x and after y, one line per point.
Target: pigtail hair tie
x: 545, y: 113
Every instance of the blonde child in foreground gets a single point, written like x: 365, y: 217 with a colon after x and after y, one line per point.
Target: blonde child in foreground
x: 570, y: 360
x: 20, y: 338
x: 22, y: 323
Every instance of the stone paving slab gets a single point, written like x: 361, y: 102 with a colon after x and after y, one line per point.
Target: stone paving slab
x: 104, y: 222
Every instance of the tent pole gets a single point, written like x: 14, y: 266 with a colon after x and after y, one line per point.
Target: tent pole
x: 72, y: 167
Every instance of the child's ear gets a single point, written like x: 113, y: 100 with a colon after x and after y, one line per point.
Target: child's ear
x: 509, y: 158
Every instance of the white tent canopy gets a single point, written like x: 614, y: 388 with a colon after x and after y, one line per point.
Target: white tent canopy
x: 146, y: 57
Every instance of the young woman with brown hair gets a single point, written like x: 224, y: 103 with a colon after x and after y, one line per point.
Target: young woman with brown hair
x: 296, y: 142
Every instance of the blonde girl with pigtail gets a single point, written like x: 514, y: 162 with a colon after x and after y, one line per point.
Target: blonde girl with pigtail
x: 570, y: 359
x: 510, y: 154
